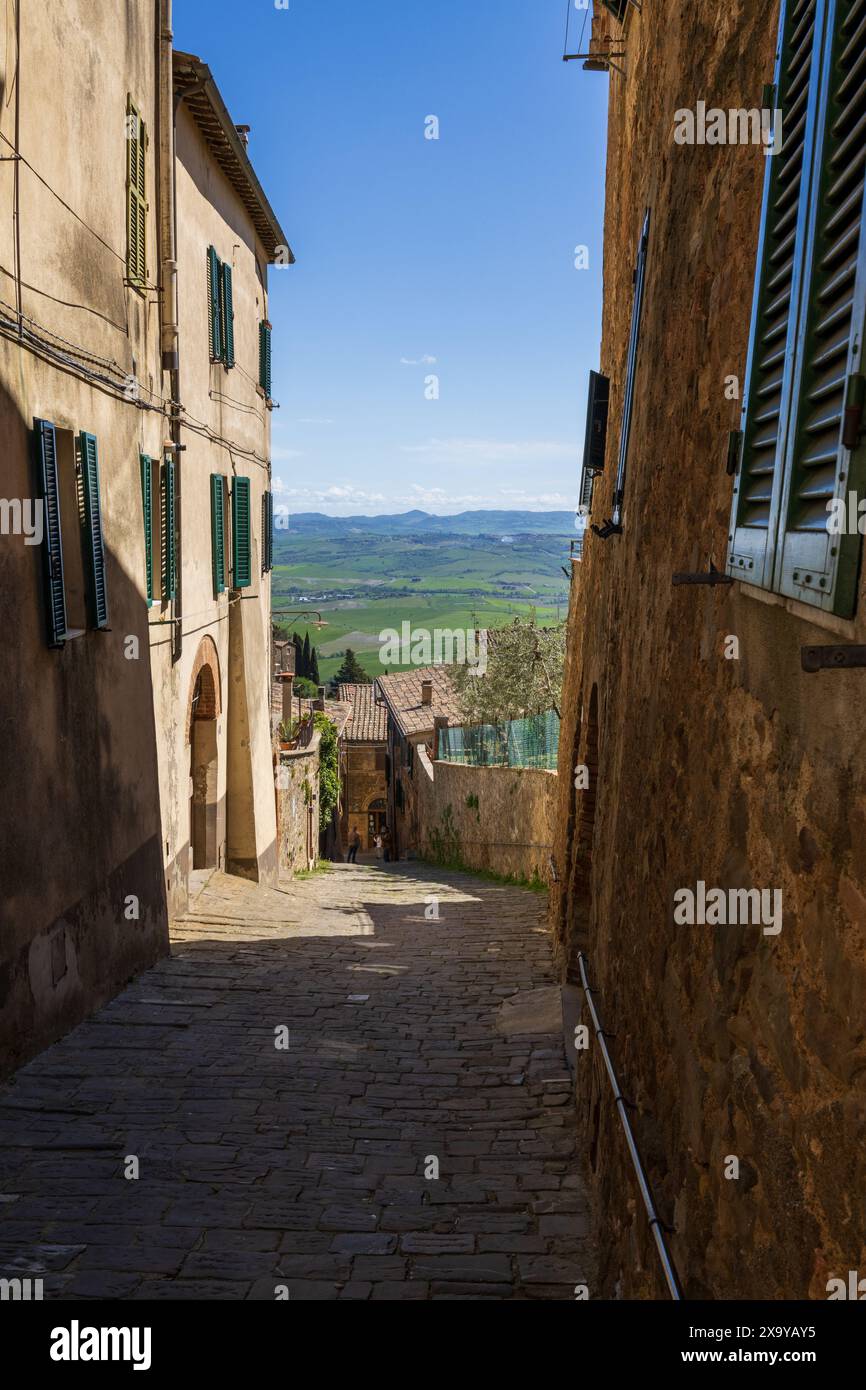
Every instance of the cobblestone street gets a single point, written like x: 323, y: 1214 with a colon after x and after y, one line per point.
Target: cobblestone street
x: 310, y: 1168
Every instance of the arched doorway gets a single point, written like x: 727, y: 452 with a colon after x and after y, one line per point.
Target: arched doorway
x: 377, y: 819
x: 206, y: 826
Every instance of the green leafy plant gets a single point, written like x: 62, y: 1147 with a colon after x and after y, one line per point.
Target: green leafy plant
x: 329, y: 769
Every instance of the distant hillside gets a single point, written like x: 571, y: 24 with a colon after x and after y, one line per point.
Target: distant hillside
x: 421, y: 523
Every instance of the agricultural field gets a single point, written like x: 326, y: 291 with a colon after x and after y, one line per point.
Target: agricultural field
x: 365, y: 582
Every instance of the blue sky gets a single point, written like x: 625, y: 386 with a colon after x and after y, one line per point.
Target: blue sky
x: 408, y: 249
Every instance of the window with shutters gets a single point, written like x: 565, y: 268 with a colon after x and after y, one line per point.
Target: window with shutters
x: 267, y: 532
x: 242, y: 550
x: 136, y: 197
x: 218, y: 531
x: 220, y: 310
x: 168, y: 530
x: 265, y: 358
x: 73, y: 550
x: 152, y: 520
x: 799, y: 449
x: 614, y: 524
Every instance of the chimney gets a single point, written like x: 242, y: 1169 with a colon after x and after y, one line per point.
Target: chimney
x: 427, y: 692
x: 319, y: 704
x: 244, y: 132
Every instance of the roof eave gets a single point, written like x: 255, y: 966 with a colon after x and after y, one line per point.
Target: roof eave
x: 206, y: 85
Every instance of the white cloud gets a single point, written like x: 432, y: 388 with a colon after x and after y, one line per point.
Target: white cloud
x: 425, y: 361
x: 313, y: 420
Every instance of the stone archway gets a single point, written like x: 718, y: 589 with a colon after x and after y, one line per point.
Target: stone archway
x: 206, y: 824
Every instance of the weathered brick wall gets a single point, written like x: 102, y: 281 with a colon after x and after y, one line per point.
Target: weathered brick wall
x: 741, y: 773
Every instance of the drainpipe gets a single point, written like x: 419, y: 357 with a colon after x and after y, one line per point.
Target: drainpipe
x: 169, y: 334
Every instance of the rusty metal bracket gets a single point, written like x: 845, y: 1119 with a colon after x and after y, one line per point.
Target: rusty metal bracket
x: 610, y: 528
x: 712, y: 576
x: 839, y: 658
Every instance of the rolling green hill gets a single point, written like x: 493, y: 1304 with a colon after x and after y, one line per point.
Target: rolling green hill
x: 365, y: 582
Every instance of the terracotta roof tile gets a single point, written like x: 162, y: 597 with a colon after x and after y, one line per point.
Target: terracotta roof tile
x: 369, y: 721
x: 402, y: 692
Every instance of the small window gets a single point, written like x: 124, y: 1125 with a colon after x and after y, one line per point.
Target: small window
x: 168, y: 520
x: 76, y: 590
x: 265, y: 358
x: 220, y: 310
x: 241, y: 534
x: 136, y: 197
x: 218, y: 512
x: 381, y: 760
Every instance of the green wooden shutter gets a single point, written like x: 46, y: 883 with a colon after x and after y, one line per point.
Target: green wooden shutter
x: 241, y: 539
x: 227, y: 315
x: 169, y: 532
x: 813, y: 565
x: 217, y: 522
x: 214, y: 301
x: 775, y: 310
x: 147, y: 510
x: 98, y: 586
x: 265, y: 357
x: 267, y: 532
x: 52, y: 543
x: 136, y: 197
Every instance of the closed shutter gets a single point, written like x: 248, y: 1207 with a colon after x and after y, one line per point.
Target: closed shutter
x: 241, y: 539
x: 614, y: 525
x: 270, y: 530
x: 228, y: 315
x: 218, y: 532
x: 214, y: 299
x: 169, y: 532
x: 136, y: 202
x: 52, y: 545
x: 267, y: 532
x: 98, y: 586
x: 775, y: 311
x: 814, y: 565
x: 265, y: 358
x: 586, y: 482
x: 147, y: 510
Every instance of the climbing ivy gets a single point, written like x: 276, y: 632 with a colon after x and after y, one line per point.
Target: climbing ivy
x: 329, y: 769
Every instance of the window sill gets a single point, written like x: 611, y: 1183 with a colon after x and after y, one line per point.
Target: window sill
x: 843, y: 627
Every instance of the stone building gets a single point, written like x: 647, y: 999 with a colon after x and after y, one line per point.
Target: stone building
x: 415, y: 701
x: 134, y: 546
x: 365, y: 786
x: 697, y: 752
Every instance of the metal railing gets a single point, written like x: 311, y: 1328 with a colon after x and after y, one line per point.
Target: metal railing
x: 656, y: 1225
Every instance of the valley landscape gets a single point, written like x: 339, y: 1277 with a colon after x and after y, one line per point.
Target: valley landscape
x: 368, y: 574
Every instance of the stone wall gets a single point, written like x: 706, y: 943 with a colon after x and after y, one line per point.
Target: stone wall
x: 298, y: 807
x: 741, y: 773
x: 491, y: 818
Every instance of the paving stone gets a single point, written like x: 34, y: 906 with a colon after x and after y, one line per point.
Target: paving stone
x: 306, y: 1170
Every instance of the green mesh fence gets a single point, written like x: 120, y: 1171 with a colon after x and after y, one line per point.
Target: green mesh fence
x: 530, y: 742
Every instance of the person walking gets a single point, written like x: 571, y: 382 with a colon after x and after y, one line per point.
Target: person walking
x: 378, y: 843
x: 386, y: 844
x: 354, y: 846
